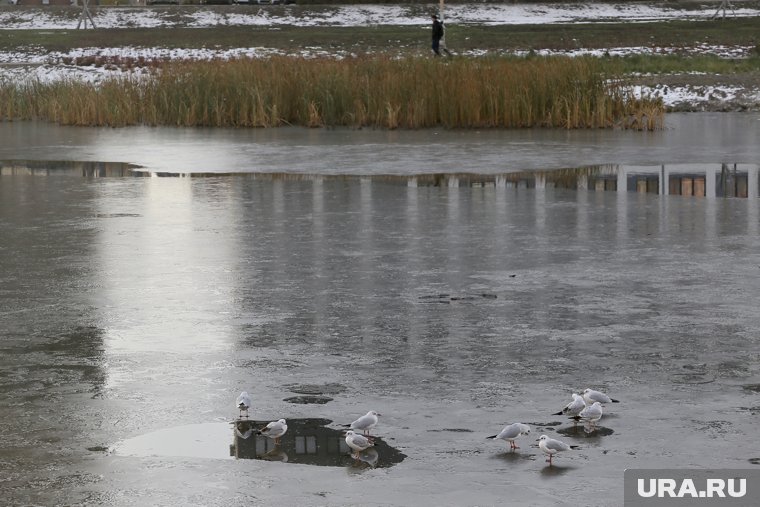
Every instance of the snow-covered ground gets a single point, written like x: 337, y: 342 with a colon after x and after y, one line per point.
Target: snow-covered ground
x: 38, y: 64
x: 355, y: 15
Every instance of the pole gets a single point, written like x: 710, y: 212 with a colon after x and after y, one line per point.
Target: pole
x: 725, y: 4
x: 440, y: 15
x: 85, y: 15
x: 443, y: 46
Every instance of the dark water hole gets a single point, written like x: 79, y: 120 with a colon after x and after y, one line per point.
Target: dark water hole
x: 307, y: 442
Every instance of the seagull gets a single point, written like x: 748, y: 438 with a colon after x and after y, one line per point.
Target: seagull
x: 511, y: 432
x: 243, y: 403
x: 574, y: 408
x: 365, y: 422
x: 551, y: 446
x: 591, y: 396
x: 358, y: 442
x: 275, y: 429
x: 592, y: 413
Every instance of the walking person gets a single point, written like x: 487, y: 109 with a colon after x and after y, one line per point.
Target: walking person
x: 437, y: 35
x: 439, y: 43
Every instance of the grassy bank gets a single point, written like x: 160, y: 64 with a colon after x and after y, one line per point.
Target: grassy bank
x: 395, y: 39
x: 358, y: 92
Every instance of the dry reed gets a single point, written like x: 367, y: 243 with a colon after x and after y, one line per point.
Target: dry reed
x: 359, y: 92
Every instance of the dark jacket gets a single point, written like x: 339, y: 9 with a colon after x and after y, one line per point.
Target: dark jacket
x: 437, y: 30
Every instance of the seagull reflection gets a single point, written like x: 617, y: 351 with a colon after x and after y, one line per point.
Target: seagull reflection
x: 366, y: 458
x: 275, y: 454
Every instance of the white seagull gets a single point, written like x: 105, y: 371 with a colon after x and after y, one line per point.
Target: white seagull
x: 590, y: 395
x: 243, y: 403
x: 275, y: 429
x: 592, y: 413
x: 365, y: 422
x: 511, y: 432
x: 574, y: 408
x: 551, y: 446
x: 358, y: 442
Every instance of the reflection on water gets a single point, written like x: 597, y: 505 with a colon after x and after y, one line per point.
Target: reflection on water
x: 555, y: 470
x: 70, y: 168
x: 308, y: 442
x: 585, y: 431
x: 308, y: 400
x: 700, y: 180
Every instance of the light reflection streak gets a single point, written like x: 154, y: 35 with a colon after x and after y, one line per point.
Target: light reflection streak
x: 165, y: 273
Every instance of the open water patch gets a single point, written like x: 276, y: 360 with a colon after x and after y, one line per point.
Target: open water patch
x: 308, y: 400
x: 118, y: 215
x: 313, y: 394
x: 692, y: 378
x: 448, y: 298
x: 583, y: 431
x: 307, y: 442
x: 316, y: 389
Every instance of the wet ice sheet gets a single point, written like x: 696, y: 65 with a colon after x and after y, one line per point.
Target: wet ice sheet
x: 195, y: 441
x: 129, y: 304
x: 687, y: 139
x: 307, y: 442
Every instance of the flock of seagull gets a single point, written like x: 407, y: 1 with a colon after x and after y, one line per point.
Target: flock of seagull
x: 356, y: 441
x: 584, y: 407
x: 587, y: 407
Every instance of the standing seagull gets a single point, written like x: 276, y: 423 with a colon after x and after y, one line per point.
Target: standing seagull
x: 591, y: 396
x: 574, y: 408
x: 511, y: 432
x: 275, y: 429
x: 365, y: 422
x: 592, y: 414
x: 551, y: 446
x: 243, y: 403
x: 358, y: 442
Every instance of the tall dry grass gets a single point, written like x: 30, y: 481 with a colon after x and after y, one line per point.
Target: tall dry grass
x: 361, y: 92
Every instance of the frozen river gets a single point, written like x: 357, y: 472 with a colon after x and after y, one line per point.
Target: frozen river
x: 134, y: 310
x: 688, y: 138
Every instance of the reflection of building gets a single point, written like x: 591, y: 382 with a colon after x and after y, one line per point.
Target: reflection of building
x: 86, y: 169
x: 701, y: 180
x: 710, y: 180
x: 308, y: 441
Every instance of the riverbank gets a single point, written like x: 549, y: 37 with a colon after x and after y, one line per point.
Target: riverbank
x: 43, y: 43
